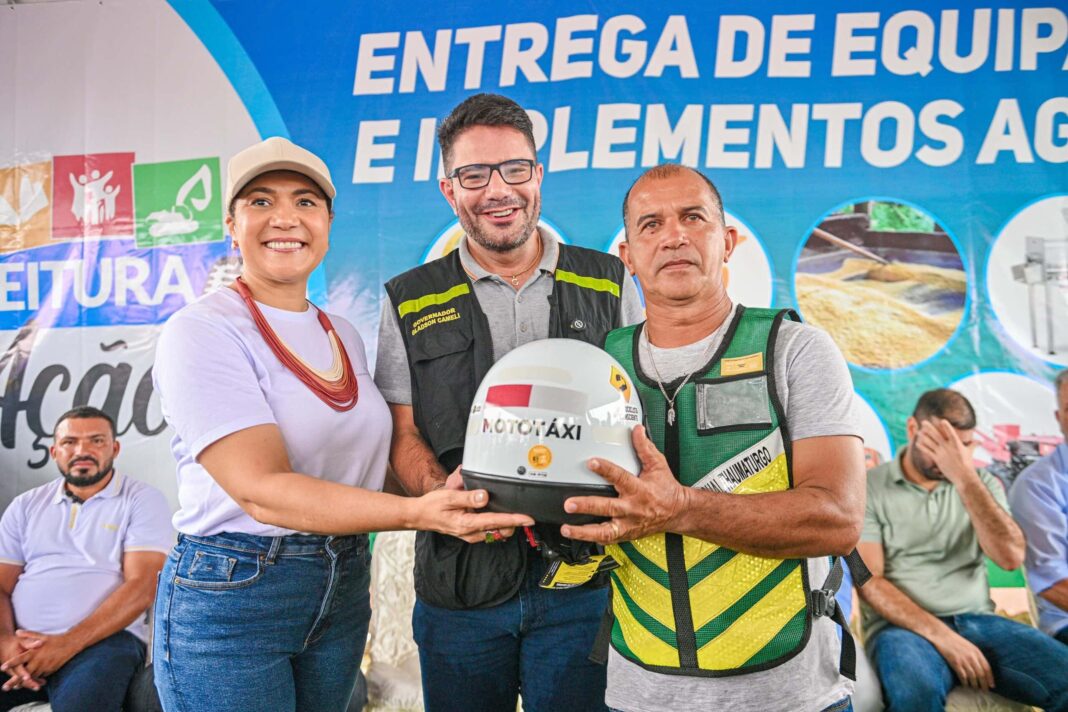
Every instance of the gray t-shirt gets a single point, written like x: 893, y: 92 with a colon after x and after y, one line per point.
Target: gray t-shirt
x: 817, y: 396
x: 516, y: 317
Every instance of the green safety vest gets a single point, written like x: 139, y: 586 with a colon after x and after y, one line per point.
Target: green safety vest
x: 683, y: 605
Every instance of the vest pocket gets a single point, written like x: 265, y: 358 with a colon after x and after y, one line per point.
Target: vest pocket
x: 441, y: 356
x: 733, y: 404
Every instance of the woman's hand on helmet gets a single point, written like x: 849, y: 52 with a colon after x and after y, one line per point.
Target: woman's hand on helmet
x: 451, y: 510
x: 455, y: 481
x: 647, y: 504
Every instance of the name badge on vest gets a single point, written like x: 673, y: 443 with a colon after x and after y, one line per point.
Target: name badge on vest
x: 763, y: 459
x: 753, y: 363
x: 736, y: 404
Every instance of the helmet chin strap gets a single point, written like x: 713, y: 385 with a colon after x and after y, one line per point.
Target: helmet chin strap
x: 569, y: 563
x: 553, y: 545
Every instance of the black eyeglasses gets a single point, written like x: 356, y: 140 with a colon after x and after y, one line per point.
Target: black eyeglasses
x: 478, y: 175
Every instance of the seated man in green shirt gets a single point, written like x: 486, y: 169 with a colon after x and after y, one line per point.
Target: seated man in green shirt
x: 928, y: 617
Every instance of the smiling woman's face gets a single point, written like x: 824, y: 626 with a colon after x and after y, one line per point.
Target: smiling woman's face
x: 281, y: 225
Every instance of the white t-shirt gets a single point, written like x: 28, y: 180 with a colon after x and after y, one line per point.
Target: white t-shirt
x: 216, y: 375
x: 71, y: 554
x: 816, y: 393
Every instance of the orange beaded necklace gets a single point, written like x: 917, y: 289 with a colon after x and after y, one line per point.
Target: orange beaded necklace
x: 336, y: 387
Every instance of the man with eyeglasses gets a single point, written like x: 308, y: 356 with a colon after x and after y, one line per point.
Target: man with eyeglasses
x: 486, y: 630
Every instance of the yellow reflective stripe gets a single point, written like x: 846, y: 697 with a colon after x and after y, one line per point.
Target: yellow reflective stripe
x: 756, y: 628
x: 413, y: 306
x: 649, y: 594
x: 598, y: 285
x: 726, y: 585
x: 653, y: 548
x: 650, y: 649
x: 695, y: 550
x: 773, y: 478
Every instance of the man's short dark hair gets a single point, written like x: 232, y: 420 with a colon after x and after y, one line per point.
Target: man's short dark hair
x: 946, y: 404
x: 669, y: 170
x: 84, y: 412
x: 483, y: 110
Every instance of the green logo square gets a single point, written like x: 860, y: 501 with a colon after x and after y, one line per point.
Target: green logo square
x: 177, y: 202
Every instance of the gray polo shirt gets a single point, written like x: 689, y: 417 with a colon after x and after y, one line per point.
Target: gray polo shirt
x: 516, y: 317
x: 929, y: 544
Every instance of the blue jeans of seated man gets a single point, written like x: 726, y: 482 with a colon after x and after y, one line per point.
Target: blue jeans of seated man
x: 94, y: 679
x: 1028, y: 665
x: 536, y: 644
x: 247, y: 622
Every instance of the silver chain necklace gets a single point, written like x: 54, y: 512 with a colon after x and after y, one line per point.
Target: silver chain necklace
x: 660, y: 379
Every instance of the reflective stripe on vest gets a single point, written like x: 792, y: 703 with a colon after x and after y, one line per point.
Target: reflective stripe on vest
x: 738, y: 613
x: 431, y: 300
x: 598, y: 285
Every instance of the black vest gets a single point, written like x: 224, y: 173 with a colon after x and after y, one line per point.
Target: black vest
x: 449, y: 347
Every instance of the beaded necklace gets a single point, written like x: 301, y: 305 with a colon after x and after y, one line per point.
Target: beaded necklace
x: 337, y: 387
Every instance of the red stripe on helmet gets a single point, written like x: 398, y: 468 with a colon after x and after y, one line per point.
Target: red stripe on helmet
x: 512, y: 395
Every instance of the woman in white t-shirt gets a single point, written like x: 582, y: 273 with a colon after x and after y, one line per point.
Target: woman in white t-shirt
x: 263, y: 603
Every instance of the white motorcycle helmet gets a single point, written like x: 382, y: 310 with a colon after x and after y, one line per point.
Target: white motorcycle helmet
x: 540, y: 414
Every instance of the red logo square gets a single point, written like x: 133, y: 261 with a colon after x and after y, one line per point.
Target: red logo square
x: 92, y: 195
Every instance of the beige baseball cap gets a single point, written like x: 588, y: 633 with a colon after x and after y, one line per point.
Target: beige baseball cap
x: 275, y: 154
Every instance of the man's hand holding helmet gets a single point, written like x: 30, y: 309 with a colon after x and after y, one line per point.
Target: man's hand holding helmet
x: 646, y: 504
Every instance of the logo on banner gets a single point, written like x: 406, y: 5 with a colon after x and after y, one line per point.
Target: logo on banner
x: 25, y: 194
x: 56, y: 213
x: 93, y: 195
x: 178, y: 202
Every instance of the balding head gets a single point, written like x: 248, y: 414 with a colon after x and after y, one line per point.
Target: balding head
x: 670, y: 170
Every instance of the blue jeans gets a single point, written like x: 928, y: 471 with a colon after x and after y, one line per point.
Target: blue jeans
x: 94, y: 679
x: 536, y: 644
x: 1029, y: 666
x: 247, y: 622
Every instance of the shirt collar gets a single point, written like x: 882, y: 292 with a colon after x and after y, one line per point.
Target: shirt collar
x: 1062, y: 453
x: 61, y: 493
x: 112, y: 489
x: 550, y: 253
x: 897, y: 473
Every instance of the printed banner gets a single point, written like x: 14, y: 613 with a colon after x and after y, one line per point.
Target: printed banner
x: 898, y: 174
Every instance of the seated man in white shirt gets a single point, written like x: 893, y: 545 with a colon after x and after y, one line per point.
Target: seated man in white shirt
x: 78, y: 564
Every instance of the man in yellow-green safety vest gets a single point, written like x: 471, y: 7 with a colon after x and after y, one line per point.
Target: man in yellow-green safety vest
x: 752, y: 481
